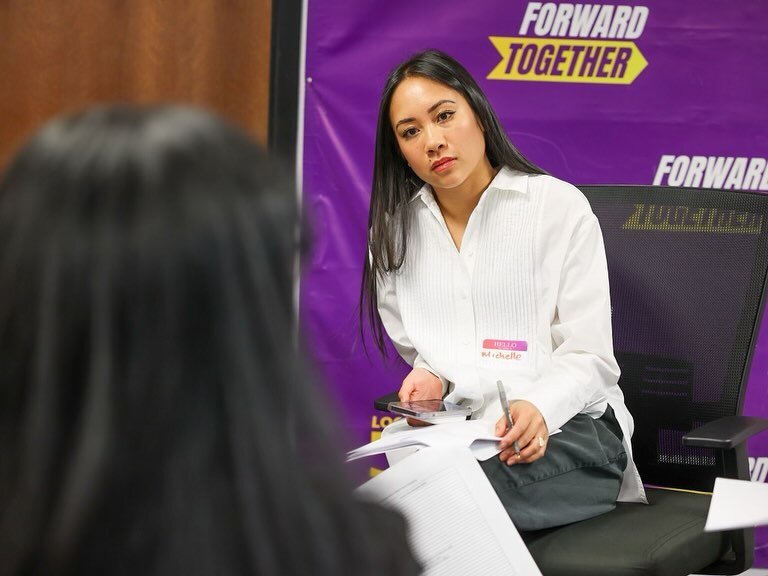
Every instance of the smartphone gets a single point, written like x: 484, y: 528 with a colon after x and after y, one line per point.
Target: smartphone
x: 432, y: 411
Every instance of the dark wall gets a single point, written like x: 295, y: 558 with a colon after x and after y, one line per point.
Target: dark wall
x: 57, y: 56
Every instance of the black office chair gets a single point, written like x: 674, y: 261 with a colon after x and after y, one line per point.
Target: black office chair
x: 687, y: 270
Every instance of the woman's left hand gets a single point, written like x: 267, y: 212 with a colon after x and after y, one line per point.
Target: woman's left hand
x: 529, y: 430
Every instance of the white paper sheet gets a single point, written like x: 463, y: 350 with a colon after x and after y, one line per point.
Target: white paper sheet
x: 457, y: 525
x: 449, y: 435
x: 478, y: 435
x: 737, y: 504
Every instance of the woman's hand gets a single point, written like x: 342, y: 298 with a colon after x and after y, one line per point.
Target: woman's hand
x: 529, y: 430
x: 420, y: 384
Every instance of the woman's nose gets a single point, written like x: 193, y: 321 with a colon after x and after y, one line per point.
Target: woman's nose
x: 434, y: 140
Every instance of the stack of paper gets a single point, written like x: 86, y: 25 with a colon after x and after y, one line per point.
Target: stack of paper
x: 460, y: 434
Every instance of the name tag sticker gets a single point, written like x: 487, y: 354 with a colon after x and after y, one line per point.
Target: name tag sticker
x: 504, y: 349
x: 518, y: 345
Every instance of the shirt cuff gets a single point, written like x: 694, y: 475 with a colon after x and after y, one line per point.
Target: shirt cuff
x: 555, y: 399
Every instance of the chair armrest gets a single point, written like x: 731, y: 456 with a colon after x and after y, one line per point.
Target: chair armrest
x: 728, y: 435
x: 725, y: 433
x: 382, y: 403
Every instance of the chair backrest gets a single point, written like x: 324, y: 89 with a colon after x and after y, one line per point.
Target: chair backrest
x: 687, y: 270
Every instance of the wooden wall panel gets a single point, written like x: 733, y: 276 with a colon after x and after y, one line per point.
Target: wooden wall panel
x: 62, y: 55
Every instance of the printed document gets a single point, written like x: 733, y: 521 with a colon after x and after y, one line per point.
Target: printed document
x: 457, y: 525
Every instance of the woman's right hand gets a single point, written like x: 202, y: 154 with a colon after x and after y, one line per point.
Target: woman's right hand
x: 420, y: 384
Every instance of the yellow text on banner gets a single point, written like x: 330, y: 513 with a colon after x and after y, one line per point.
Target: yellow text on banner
x: 567, y: 60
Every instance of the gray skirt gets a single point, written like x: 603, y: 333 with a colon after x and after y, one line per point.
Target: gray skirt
x: 578, y: 477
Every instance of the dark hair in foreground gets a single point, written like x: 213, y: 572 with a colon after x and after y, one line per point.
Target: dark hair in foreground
x: 153, y: 416
x: 394, y: 183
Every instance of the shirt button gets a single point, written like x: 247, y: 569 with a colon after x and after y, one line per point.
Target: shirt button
x: 463, y: 295
x: 466, y: 341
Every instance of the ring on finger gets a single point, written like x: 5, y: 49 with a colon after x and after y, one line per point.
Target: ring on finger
x: 541, y: 442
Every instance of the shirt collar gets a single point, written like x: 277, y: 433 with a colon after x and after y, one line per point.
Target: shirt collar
x: 505, y: 179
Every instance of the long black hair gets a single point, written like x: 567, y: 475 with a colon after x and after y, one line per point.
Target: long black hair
x: 395, y: 183
x: 154, y: 418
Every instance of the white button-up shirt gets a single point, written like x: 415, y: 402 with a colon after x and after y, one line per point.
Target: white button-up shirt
x: 525, y: 300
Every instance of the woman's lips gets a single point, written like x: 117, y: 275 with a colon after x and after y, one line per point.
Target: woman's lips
x: 443, y: 164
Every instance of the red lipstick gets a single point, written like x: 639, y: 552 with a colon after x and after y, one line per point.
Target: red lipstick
x: 443, y: 164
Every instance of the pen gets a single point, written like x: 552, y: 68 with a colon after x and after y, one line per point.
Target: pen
x: 507, y: 415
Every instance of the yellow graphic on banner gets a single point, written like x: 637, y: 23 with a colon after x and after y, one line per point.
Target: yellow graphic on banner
x: 377, y: 425
x: 567, y: 60
x: 656, y: 217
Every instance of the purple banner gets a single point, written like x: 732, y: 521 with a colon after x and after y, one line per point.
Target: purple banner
x: 657, y: 92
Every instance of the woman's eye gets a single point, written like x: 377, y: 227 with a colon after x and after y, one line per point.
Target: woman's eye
x: 409, y: 132
x: 444, y: 115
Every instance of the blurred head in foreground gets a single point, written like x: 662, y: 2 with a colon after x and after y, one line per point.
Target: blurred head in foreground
x: 153, y: 416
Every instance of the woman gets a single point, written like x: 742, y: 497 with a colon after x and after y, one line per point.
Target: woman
x: 153, y: 416
x: 483, y: 268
